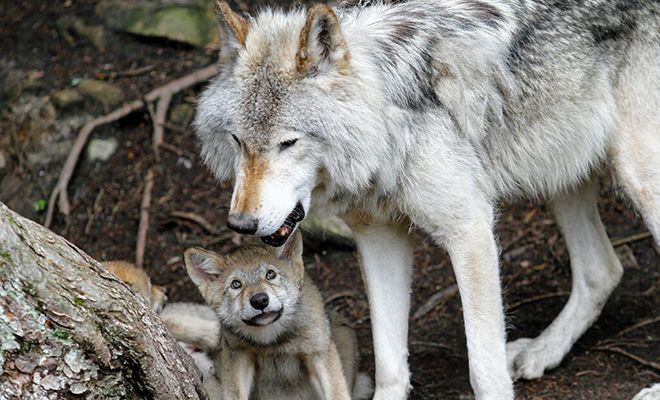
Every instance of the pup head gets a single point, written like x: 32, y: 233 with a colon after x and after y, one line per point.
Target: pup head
x: 255, y: 291
x: 283, y: 114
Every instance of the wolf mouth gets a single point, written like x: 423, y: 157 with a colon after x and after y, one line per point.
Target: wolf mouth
x: 281, y: 235
x: 264, y: 318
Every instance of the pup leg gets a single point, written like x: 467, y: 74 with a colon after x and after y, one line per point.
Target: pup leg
x: 387, y: 269
x: 327, y: 375
x: 596, y: 272
x: 236, y: 371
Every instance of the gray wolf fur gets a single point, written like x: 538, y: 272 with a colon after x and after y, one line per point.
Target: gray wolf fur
x: 276, y: 340
x: 424, y: 114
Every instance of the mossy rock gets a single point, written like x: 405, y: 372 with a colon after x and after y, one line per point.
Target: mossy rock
x: 190, y: 21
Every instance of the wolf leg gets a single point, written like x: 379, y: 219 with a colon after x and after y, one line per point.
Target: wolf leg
x: 474, y: 256
x: 596, y: 271
x: 387, y: 268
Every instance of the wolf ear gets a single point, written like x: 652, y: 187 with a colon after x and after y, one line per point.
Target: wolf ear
x: 204, y: 267
x: 233, y: 31
x: 293, y: 247
x: 322, y: 45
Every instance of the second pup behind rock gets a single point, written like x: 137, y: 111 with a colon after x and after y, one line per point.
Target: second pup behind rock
x: 277, y: 341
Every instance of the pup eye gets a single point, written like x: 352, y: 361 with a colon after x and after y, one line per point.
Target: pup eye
x: 287, y: 144
x: 270, y: 275
x: 236, y: 139
x: 236, y: 284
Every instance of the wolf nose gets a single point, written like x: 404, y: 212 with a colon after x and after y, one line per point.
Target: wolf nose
x: 259, y: 301
x: 242, y: 223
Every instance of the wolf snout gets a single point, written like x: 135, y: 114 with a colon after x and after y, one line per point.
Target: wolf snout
x: 242, y: 223
x: 259, y: 301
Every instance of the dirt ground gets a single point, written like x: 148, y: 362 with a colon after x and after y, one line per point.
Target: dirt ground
x: 106, y: 198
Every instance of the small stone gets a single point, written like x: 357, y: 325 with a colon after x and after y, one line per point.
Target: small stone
x: 101, y: 149
x: 101, y: 91
x: 3, y: 160
x: 66, y: 98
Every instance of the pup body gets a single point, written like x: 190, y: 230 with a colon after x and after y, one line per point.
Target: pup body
x: 425, y: 114
x: 277, y: 342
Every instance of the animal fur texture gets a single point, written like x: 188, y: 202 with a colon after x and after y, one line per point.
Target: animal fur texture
x: 424, y: 114
x: 140, y: 282
x: 277, y: 341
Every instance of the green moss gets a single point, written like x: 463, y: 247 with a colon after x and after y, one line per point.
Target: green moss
x: 61, y: 333
x: 6, y: 257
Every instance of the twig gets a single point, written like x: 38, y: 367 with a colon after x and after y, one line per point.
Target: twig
x: 629, y: 239
x: 434, y: 345
x: 159, y: 123
x: 198, y: 219
x: 639, y: 325
x: 59, y: 192
x: 435, y: 300
x: 339, y: 296
x: 144, y: 219
x: 537, y: 298
x: 134, y: 72
x: 183, y: 83
x: 72, y: 159
x: 640, y: 360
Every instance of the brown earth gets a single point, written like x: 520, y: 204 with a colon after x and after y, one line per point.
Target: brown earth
x: 106, y: 200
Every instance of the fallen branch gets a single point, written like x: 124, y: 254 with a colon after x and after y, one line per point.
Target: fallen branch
x: 435, y: 300
x: 198, y: 219
x: 639, y: 325
x: 143, y: 226
x: 59, y: 192
x: 72, y: 159
x: 536, y: 298
x: 630, y: 239
x: 339, y: 296
x: 640, y: 360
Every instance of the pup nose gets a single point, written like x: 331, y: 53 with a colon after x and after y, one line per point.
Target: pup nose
x: 259, y: 301
x: 242, y: 223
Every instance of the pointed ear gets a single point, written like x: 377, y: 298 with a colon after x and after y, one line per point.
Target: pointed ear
x: 203, y: 266
x: 292, y: 249
x: 322, y: 44
x: 233, y: 31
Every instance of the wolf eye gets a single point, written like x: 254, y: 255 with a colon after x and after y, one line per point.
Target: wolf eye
x: 270, y: 275
x: 236, y: 284
x: 287, y: 144
x: 236, y: 139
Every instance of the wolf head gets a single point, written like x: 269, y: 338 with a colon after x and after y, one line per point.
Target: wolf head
x: 255, y: 291
x: 282, y: 116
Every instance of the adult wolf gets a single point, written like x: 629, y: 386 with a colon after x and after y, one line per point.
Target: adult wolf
x: 422, y: 114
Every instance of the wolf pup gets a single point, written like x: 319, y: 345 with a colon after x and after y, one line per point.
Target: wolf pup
x: 277, y: 342
x: 425, y: 114
x: 139, y: 281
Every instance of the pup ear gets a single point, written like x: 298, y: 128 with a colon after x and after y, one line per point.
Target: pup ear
x: 292, y: 249
x: 322, y: 45
x: 233, y: 31
x: 203, y: 266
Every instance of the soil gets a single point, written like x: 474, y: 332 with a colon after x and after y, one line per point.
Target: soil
x: 106, y: 198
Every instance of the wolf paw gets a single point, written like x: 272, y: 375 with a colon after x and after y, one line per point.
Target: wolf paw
x: 524, y: 361
x: 652, y: 393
